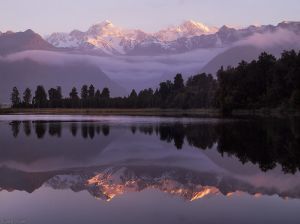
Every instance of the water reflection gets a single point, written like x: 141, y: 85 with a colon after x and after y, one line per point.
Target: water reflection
x: 106, y: 182
x: 40, y: 128
x: 263, y: 142
x: 15, y: 127
x: 240, y: 166
x: 73, y: 129
x: 27, y: 128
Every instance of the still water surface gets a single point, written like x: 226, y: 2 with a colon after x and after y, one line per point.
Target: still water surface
x: 88, y: 169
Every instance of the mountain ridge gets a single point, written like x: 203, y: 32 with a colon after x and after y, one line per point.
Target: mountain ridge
x: 107, y: 38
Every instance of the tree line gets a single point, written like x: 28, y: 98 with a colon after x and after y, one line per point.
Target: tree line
x: 263, y: 83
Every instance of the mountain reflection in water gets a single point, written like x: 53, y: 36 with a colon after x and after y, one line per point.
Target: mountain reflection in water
x: 109, y: 159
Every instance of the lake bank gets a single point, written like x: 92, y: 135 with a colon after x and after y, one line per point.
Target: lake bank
x: 106, y: 112
x: 148, y: 112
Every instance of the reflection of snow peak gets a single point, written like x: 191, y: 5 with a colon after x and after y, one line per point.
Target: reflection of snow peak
x: 111, y: 182
x: 111, y: 185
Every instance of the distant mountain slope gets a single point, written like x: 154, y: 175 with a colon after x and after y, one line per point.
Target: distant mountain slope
x: 14, y: 42
x: 234, y: 55
x: 231, y: 57
x: 28, y: 73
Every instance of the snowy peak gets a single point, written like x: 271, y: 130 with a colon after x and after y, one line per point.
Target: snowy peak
x: 111, y: 39
x: 186, y: 29
x: 108, y: 39
x: 192, y: 26
x: 105, y: 28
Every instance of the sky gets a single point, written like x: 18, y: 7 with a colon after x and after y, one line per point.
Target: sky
x: 47, y: 16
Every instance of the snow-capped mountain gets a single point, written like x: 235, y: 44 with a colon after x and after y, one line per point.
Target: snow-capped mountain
x: 187, y: 29
x: 111, y: 39
x: 106, y: 38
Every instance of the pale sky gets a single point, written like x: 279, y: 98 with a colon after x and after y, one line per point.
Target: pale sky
x: 47, y: 16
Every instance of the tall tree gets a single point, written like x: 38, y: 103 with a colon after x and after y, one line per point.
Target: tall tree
x: 133, y: 94
x: 74, y: 94
x: 40, y: 97
x: 98, y: 94
x: 55, y: 97
x: 52, y: 94
x: 91, y: 92
x: 59, y: 93
x: 84, y: 96
x: 98, y: 98
x: 105, y: 93
x: 15, y: 97
x: 84, y: 92
x: 178, y: 82
x: 132, y: 99
x: 74, y: 98
x: 27, y: 96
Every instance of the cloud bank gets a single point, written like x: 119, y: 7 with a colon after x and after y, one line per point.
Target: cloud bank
x: 281, y: 37
x: 131, y: 72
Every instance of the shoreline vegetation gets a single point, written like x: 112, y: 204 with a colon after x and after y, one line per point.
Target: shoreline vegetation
x: 213, y: 113
x: 266, y: 87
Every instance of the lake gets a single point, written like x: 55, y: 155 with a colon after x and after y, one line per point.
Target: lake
x: 119, y: 169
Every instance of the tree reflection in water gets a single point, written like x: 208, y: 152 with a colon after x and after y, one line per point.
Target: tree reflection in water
x: 263, y: 142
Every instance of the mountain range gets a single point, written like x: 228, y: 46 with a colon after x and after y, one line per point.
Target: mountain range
x: 131, y: 58
x: 106, y: 38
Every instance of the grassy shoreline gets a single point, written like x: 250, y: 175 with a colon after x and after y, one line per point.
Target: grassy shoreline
x: 147, y: 112
x: 107, y: 112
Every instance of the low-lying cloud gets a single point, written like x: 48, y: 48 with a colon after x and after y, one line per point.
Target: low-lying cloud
x: 131, y: 71
x: 280, y: 37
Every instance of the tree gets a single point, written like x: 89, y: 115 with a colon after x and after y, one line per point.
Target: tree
x: 15, y: 97
x: 27, y: 96
x: 132, y: 99
x: 105, y: 93
x: 133, y: 94
x: 98, y: 98
x: 145, y: 98
x: 91, y: 92
x: 178, y: 82
x: 84, y: 96
x: 55, y: 97
x: 40, y: 97
x: 84, y: 92
x: 52, y: 94
x: 200, y: 91
x: 98, y: 94
x: 74, y: 98
x: 74, y: 94
x: 59, y: 93
x: 295, y: 99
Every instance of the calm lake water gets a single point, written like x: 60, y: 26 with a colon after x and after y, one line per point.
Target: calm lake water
x: 88, y: 169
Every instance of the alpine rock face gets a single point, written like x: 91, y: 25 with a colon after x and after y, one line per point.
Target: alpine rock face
x: 11, y: 42
x: 106, y: 38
